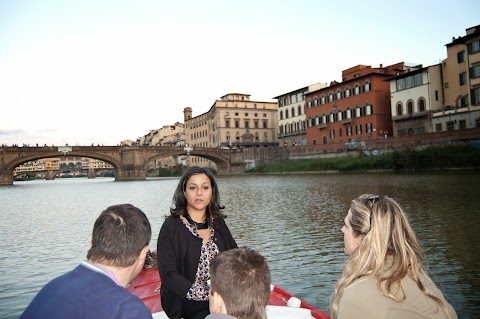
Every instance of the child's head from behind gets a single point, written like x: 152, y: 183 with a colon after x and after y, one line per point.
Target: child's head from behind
x: 240, y: 279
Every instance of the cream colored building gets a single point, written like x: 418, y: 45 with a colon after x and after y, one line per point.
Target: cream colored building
x: 292, y: 129
x: 234, y: 121
x: 415, y: 95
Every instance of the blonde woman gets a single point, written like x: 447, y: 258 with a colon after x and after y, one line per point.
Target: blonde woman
x: 385, y: 275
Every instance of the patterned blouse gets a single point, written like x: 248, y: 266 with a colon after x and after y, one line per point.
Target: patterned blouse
x: 201, y: 288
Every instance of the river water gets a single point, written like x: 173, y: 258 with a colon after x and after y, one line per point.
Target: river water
x: 294, y: 220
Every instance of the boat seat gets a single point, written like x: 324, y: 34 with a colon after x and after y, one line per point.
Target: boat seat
x: 285, y: 312
x: 273, y: 312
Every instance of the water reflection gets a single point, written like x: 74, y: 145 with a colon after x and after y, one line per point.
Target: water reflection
x: 294, y: 220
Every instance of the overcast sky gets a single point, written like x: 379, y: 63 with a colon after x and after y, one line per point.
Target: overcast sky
x: 94, y: 71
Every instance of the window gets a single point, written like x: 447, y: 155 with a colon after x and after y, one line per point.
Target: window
x: 368, y: 127
x: 339, y: 95
x: 330, y: 97
x: 237, y: 124
x: 475, y: 94
x: 436, y: 95
x: 339, y: 115
x: 286, y: 114
x: 332, y: 133
x: 409, y: 82
x: 293, y: 112
x: 450, y: 126
x: 411, y: 132
x: 473, y: 47
x: 462, y: 77
x: 299, y: 112
x: 359, y: 129
x: 332, y: 118
x: 324, y: 118
x: 340, y: 132
x: 401, y: 133
x: 227, y: 123
x: 475, y: 72
x: 368, y: 109
x: 281, y: 115
x: 421, y: 105
x: 322, y: 99
x: 264, y: 124
x: 255, y: 124
x: 464, y: 101
x: 438, y: 127
x: 293, y: 98
x: 366, y: 87
x: 349, y: 113
x: 461, y: 57
x: 410, y: 107
x: 462, y: 124
x: 356, y: 90
x: 358, y: 112
x: 265, y: 137
x: 309, y: 103
x: 315, y: 101
x: 349, y: 130
x: 228, y: 136
x: 317, y: 120
x: 347, y: 92
x: 247, y: 124
x: 446, y: 85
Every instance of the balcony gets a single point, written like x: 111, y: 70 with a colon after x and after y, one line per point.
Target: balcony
x: 347, y: 121
x: 322, y: 126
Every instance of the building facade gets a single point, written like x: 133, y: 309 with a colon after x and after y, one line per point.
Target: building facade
x: 415, y: 96
x: 292, y: 128
x: 234, y: 121
x: 461, y: 84
x: 357, y: 109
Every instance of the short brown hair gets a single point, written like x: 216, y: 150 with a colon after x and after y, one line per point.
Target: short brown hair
x: 119, y: 235
x: 242, y: 277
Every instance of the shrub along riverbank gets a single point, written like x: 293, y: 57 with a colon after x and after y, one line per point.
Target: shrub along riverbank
x: 432, y: 158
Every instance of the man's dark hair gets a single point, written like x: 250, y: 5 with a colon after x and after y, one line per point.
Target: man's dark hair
x: 242, y: 277
x: 119, y: 235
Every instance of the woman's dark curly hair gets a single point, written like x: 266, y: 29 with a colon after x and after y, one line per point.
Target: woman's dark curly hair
x: 179, y: 203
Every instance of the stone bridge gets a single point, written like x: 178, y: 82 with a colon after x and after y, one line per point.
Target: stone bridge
x: 131, y: 162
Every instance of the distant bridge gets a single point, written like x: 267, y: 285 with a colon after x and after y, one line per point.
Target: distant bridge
x: 130, y: 162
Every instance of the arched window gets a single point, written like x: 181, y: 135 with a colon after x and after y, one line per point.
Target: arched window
x: 299, y: 112
x: 330, y: 97
x: 281, y: 115
x: 410, y: 109
x: 316, y: 120
x: 286, y: 114
x: 228, y: 136
x: 399, y: 109
x: 356, y: 89
x: 347, y: 92
x: 332, y: 117
x: 309, y: 103
x: 324, y: 118
x: 339, y: 95
x: 421, y: 105
x: 339, y: 115
x: 293, y: 111
x: 366, y: 87
x: 315, y: 101
x: 322, y: 99
x: 349, y: 113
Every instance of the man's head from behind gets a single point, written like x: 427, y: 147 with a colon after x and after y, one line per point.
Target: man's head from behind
x: 119, y: 235
x: 240, y: 281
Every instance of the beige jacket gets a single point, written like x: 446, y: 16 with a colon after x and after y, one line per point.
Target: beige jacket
x: 363, y: 300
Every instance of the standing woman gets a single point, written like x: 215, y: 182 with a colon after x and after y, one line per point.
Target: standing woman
x: 385, y: 275
x: 189, y: 238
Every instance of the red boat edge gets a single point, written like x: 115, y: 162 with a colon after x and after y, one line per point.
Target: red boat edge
x: 282, y: 304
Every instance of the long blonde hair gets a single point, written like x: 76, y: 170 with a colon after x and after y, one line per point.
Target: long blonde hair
x: 388, y: 242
